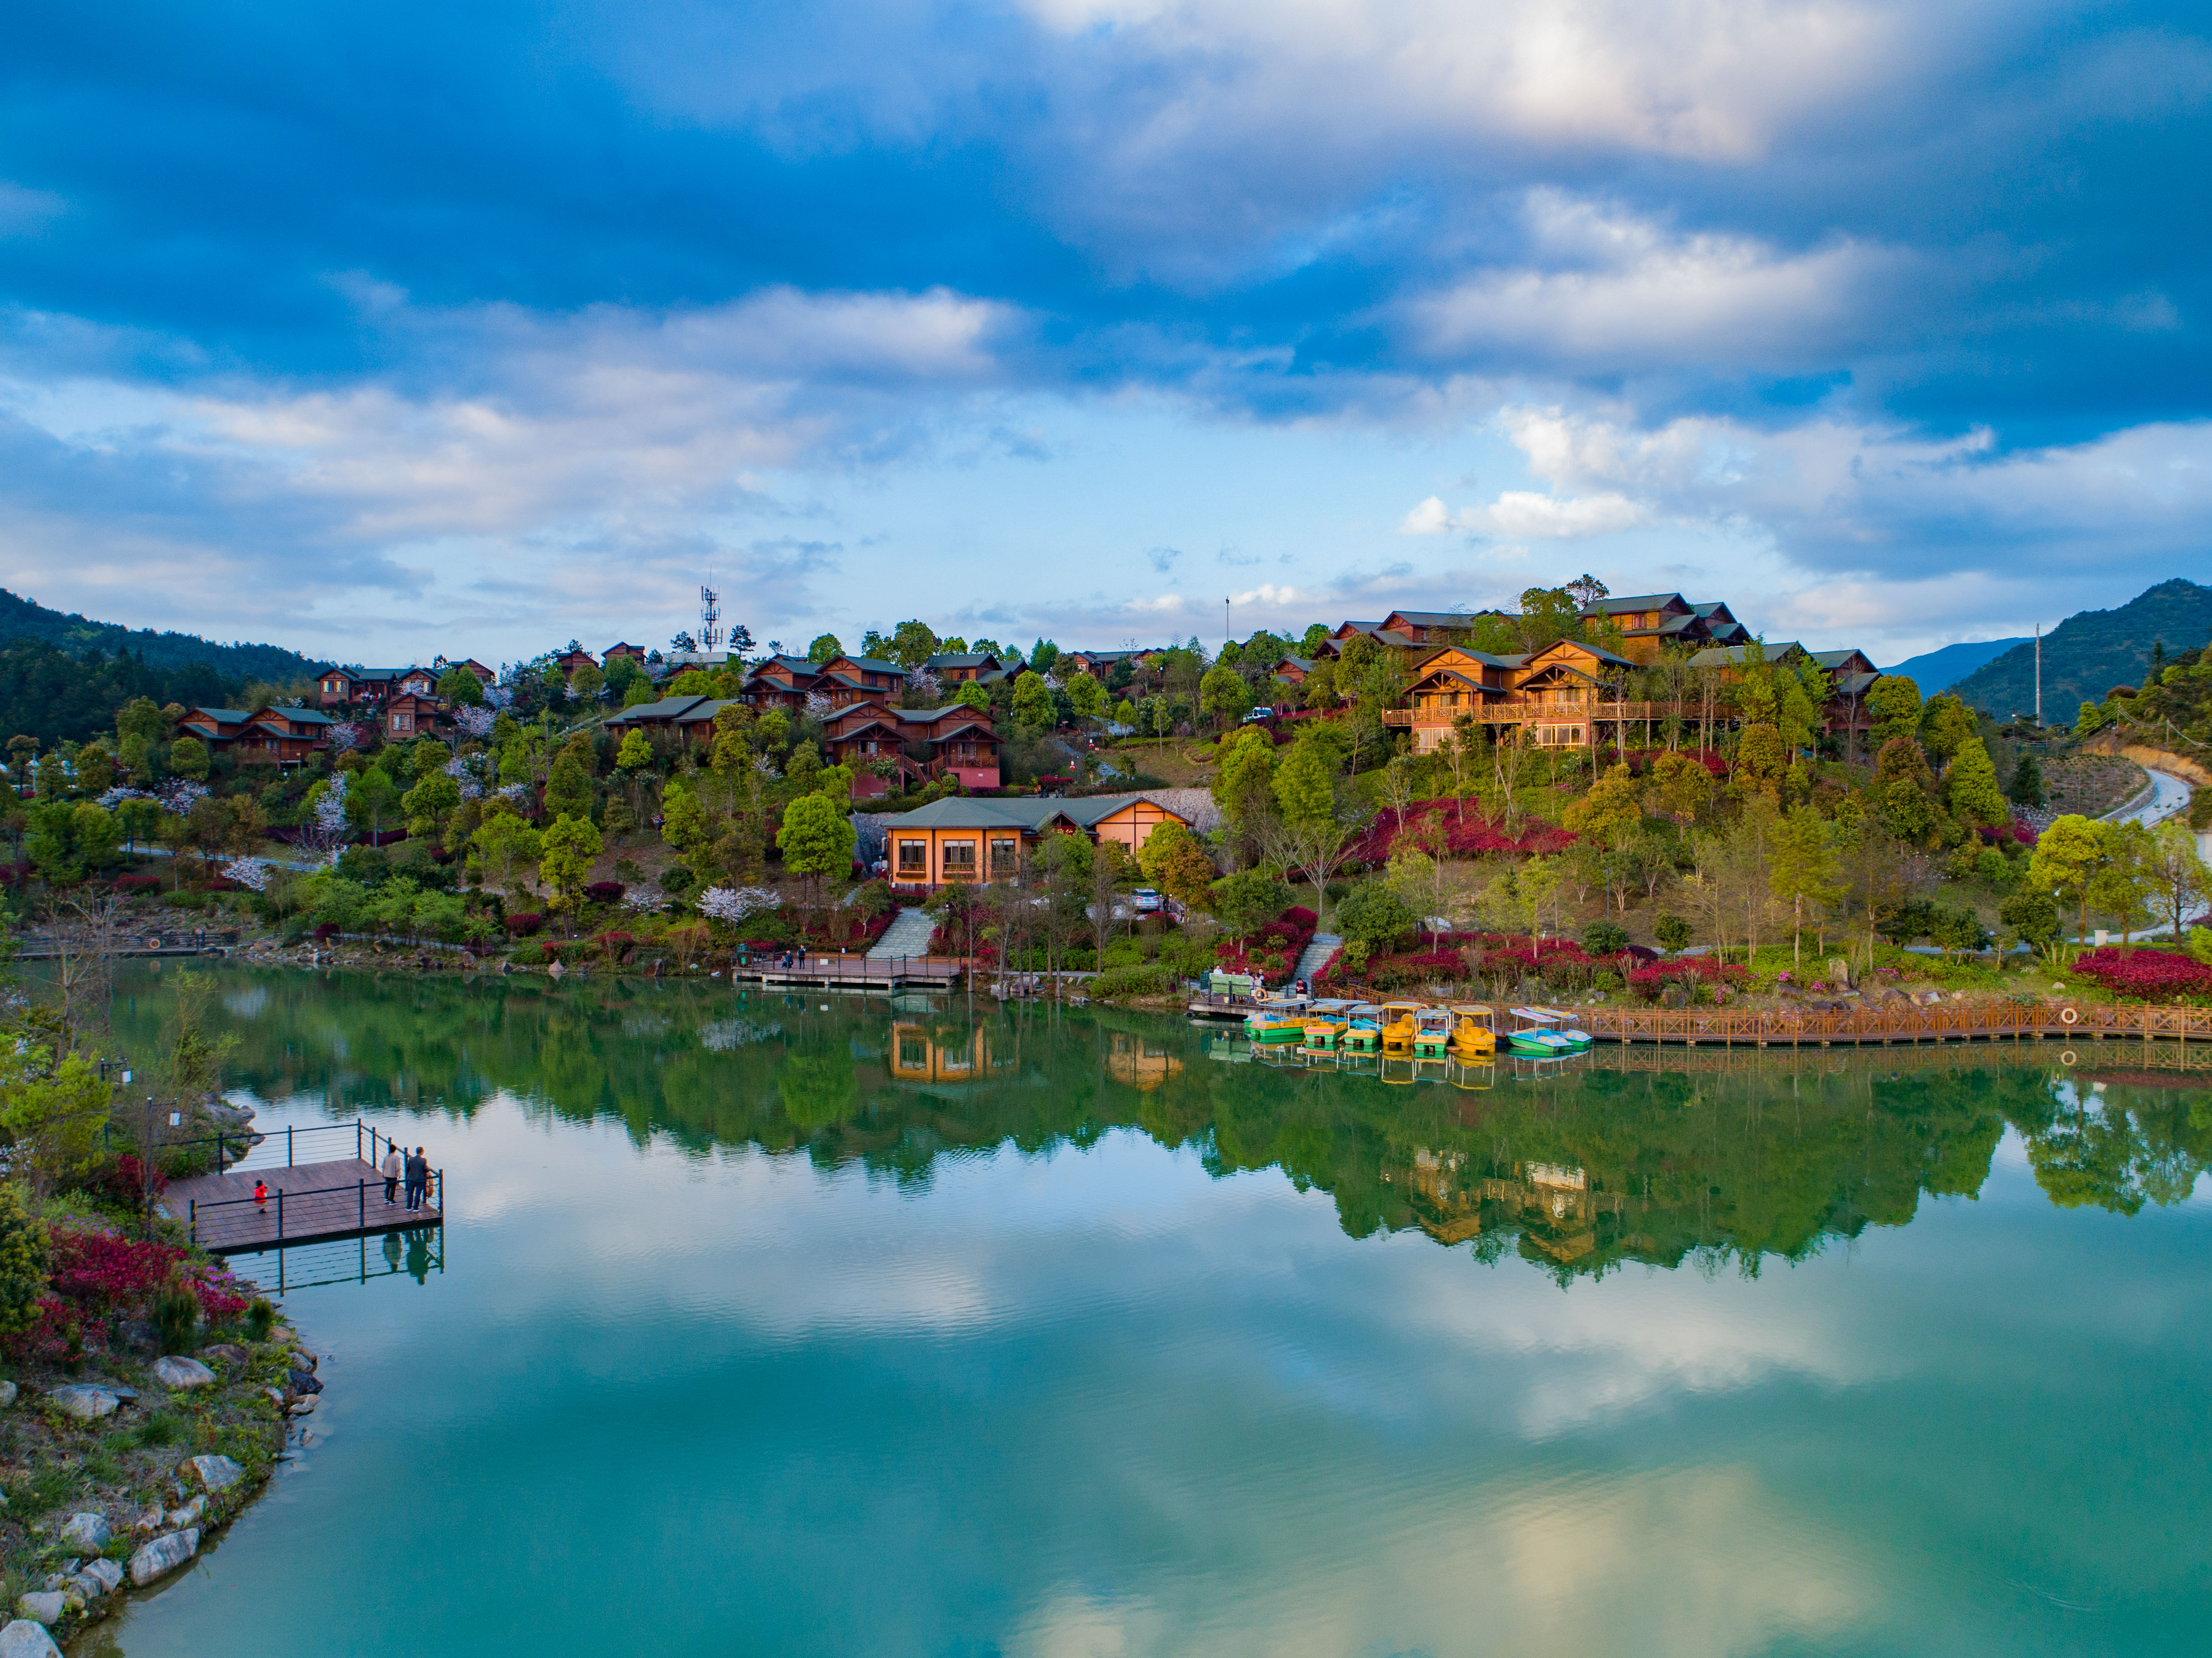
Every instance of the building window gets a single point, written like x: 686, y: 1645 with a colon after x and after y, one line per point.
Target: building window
x: 914, y: 859
x: 959, y: 861
x: 1005, y: 858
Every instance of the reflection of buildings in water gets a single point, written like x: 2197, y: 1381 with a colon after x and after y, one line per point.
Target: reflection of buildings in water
x: 1557, y: 1210
x: 1143, y: 1066
x: 921, y: 1054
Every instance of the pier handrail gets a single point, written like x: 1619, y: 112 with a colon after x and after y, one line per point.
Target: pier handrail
x: 367, y: 1137
x: 310, y: 1208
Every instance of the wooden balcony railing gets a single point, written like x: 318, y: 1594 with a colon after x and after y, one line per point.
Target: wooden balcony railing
x: 1519, y: 710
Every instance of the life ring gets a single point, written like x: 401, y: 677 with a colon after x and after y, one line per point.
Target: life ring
x: 2067, y: 1057
x: 2068, y: 1016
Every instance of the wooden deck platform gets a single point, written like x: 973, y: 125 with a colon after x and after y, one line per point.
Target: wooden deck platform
x: 341, y: 1199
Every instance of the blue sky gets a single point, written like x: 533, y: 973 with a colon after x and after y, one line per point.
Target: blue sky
x: 382, y: 329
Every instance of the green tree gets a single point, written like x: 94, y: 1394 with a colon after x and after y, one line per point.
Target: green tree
x: 1373, y: 915
x: 1125, y: 712
x: 1947, y: 724
x: 1245, y: 774
x: 98, y: 834
x: 1086, y: 696
x: 1804, y: 871
x: 430, y: 802
x: 817, y: 838
x: 635, y: 754
x: 461, y: 688
x: 2125, y: 884
x: 972, y: 696
x: 569, y: 791
x: 2178, y: 877
x: 1174, y: 861
x: 2026, y: 785
x: 371, y: 798
x: 683, y: 822
x: 824, y: 647
x: 51, y: 1110
x: 22, y: 1264
x: 567, y: 851
x: 2068, y: 858
x: 1893, y: 707
x: 1223, y: 693
x: 1904, y: 791
x: 1034, y: 708
x: 2033, y: 916
x: 52, y: 843
x: 912, y: 644
x: 188, y: 757
x: 506, y: 841
x: 1970, y: 786
x: 1247, y: 901
x: 1673, y: 932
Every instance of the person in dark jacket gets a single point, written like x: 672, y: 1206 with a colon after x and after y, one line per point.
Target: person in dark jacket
x: 418, y: 1178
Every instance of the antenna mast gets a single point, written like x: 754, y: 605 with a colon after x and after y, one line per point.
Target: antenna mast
x: 2038, y: 675
x: 710, y: 618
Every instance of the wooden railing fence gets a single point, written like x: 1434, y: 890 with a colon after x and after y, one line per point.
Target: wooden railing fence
x: 1938, y: 1022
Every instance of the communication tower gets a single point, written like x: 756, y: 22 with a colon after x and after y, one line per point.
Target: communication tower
x: 710, y: 619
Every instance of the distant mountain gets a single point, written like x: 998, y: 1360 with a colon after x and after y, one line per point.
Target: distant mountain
x: 2089, y: 653
x: 22, y: 618
x: 1938, y: 670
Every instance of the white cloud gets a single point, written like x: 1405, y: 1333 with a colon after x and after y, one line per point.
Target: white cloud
x: 1715, y: 79
x: 1610, y: 292
x: 1526, y: 515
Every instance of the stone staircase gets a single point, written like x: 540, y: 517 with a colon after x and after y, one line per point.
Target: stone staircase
x: 907, y: 935
x: 1324, y: 945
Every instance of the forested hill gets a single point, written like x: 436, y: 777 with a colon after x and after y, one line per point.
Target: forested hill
x: 2089, y: 653
x: 23, y: 618
x: 63, y: 676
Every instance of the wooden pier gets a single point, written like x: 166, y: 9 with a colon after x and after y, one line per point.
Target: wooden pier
x: 337, y: 1197
x: 856, y: 972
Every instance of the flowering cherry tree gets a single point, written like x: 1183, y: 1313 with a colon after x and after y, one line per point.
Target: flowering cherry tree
x: 819, y: 708
x: 252, y: 873
x: 344, y: 737
x: 475, y: 722
x: 180, y: 794
x: 733, y: 904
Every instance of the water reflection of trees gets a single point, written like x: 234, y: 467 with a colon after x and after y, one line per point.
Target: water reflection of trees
x: 1637, y: 1157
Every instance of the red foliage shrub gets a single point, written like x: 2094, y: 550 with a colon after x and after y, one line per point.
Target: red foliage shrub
x: 522, y: 926
x: 1465, y: 832
x: 1701, y: 972
x: 326, y: 931
x: 130, y: 884
x: 2146, y: 974
x: 615, y: 943
x: 106, y: 1273
x: 605, y: 892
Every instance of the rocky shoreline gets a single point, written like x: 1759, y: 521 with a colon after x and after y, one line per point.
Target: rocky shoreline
x: 114, y: 1479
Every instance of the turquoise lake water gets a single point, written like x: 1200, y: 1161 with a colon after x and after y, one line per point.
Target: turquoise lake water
x: 763, y: 1328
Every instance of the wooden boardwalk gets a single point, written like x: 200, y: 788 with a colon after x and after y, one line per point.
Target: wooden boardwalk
x: 1941, y: 1022
x: 341, y: 1199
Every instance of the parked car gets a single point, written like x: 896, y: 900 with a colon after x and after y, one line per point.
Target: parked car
x: 1259, y: 716
x: 1146, y: 900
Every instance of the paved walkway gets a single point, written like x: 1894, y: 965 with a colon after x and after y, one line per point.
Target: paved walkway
x: 2169, y: 794
x: 907, y: 935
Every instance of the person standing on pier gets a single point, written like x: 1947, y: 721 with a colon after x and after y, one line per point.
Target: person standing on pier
x: 418, y: 1177
x: 394, y: 1167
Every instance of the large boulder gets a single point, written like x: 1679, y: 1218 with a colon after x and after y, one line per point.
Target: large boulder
x: 175, y: 1372
x: 87, y: 1533
x: 217, y: 1473
x: 42, y: 1607
x: 163, y: 1555
x: 100, y: 1577
x: 304, y: 1382
x: 7, y: 1394
x: 25, y: 1639
x: 82, y: 1400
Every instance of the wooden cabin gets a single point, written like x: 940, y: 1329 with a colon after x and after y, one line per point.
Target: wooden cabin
x: 369, y: 686
x: 916, y: 743
x: 1569, y: 695
x: 960, y: 840
x: 407, y: 716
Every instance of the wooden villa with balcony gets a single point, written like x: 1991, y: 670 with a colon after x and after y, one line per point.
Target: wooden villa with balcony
x: 913, y: 745
x: 780, y: 682
x: 958, y: 669
x: 958, y: 841
x: 274, y: 734
x: 1569, y: 695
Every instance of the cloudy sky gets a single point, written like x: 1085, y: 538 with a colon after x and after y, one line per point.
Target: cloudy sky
x: 379, y: 329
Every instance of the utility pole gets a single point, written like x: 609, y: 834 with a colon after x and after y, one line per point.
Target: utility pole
x: 2038, y: 675
x: 1224, y: 622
